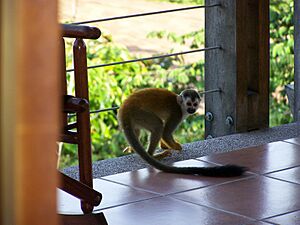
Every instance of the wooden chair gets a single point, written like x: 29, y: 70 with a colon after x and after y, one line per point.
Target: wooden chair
x: 79, y: 104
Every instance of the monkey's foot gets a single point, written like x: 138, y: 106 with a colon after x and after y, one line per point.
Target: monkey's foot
x: 176, y: 146
x: 128, y: 150
x: 162, y: 155
x: 170, y: 145
x: 163, y: 145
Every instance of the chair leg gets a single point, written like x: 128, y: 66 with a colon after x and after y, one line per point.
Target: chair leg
x: 85, y: 155
x: 79, y: 190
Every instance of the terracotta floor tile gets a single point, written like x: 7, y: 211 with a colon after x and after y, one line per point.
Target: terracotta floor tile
x: 294, y: 140
x: 256, y: 197
x: 113, y: 194
x: 167, y: 211
x: 262, y: 159
x: 286, y: 219
x: 292, y: 175
x: 166, y: 183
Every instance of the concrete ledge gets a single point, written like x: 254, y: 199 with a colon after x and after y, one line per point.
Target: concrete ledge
x: 195, y: 150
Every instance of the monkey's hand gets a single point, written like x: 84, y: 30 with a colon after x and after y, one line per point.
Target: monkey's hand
x: 128, y: 150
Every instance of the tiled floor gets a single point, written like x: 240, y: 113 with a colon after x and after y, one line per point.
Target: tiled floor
x: 268, y: 194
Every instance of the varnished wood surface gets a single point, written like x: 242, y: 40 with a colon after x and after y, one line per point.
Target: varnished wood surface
x: 31, y: 86
x: 75, y: 31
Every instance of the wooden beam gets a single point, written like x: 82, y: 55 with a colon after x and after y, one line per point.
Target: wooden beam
x: 220, y: 66
x: 240, y: 69
x: 30, y: 111
x: 297, y: 60
x: 252, y: 107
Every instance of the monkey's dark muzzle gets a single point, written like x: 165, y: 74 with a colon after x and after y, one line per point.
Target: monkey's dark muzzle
x: 191, y: 111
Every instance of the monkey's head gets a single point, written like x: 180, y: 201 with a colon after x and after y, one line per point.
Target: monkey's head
x: 189, y: 100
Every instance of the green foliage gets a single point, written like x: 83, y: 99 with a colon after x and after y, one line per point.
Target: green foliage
x: 281, y: 54
x: 196, y: 37
x: 281, y: 59
x: 109, y: 86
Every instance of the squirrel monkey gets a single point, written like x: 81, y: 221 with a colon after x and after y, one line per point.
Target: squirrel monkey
x: 160, y: 111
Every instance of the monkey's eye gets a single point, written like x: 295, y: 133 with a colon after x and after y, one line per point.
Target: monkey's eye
x: 195, y: 104
x: 189, y: 104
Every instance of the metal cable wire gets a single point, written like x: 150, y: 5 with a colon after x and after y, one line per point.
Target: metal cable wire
x: 146, y: 14
x: 97, y: 111
x: 210, y: 91
x: 105, y: 110
x: 149, y: 58
x: 117, y: 107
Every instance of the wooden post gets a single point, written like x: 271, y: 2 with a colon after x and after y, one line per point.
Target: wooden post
x: 29, y: 111
x: 240, y: 69
x: 297, y: 60
x: 83, y: 119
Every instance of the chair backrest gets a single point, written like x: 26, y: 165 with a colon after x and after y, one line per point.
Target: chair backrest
x: 79, y: 104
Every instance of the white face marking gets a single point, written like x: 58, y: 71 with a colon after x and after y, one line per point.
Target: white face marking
x: 189, y: 106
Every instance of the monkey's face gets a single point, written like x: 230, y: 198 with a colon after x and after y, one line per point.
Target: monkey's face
x: 191, y: 106
x: 190, y: 101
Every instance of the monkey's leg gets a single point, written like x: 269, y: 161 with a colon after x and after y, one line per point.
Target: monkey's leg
x: 167, y: 137
x: 129, y: 149
x: 154, y: 140
x: 155, y: 126
x: 156, y: 130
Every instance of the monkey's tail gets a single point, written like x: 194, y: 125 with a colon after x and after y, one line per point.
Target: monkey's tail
x: 216, y: 171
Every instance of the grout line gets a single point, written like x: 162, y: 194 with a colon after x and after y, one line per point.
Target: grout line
x: 280, y: 179
x: 182, y: 191
x: 168, y: 195
x: 158, y: 193
x: 279, y: 170
x: 291, y: 143
x: 211, y: 185
x: 264, y: 222
x: 218, y: 209
x: 282, y: 214
x: 133, y: 187
x: 126, y: 203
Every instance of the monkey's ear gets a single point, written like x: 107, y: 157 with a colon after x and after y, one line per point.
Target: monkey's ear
x: 179, y: 99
